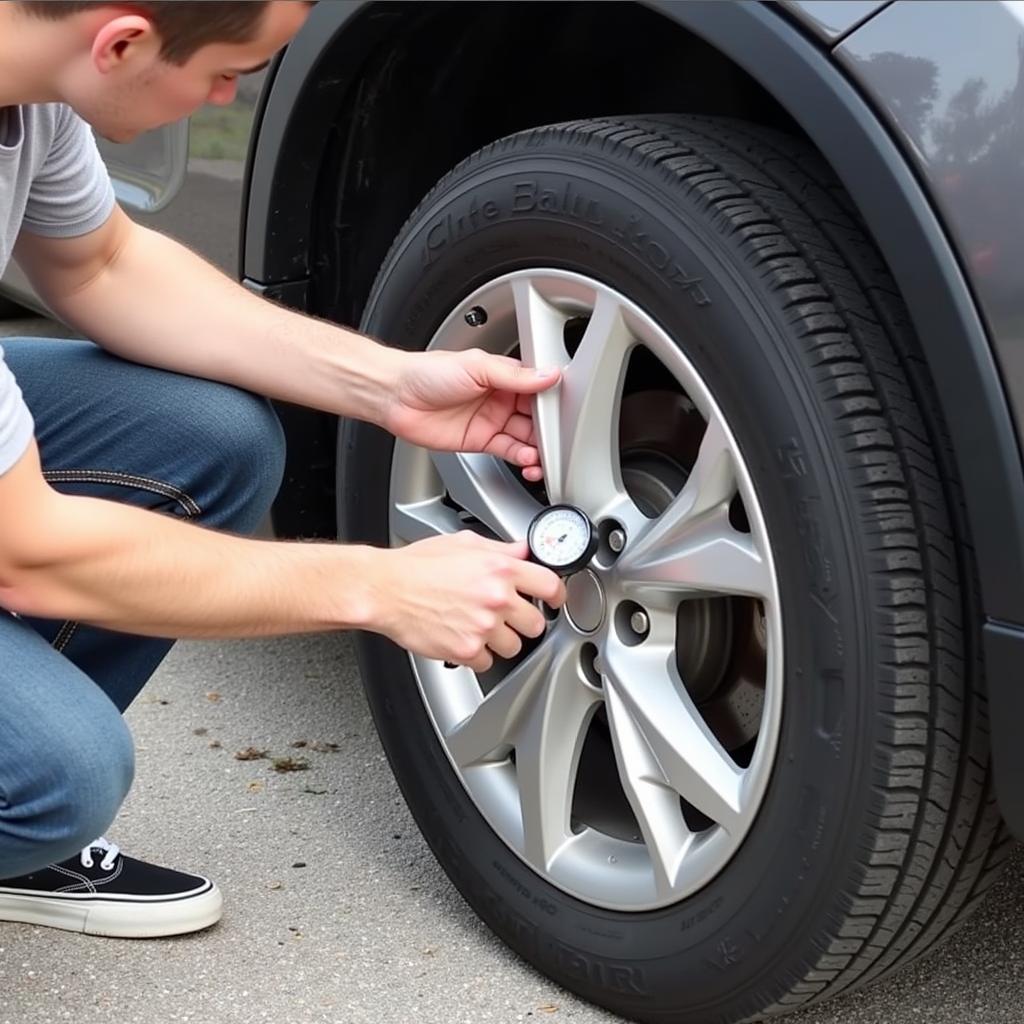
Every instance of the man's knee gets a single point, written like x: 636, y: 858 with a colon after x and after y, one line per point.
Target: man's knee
x: 244, y: 440
x: 71, y: 796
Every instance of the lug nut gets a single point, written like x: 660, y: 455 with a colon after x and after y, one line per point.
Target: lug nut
x: 639, y: 623
x: 477, y: 316
x: 617, y: 540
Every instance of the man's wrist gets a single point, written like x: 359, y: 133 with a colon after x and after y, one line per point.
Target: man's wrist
x: 368, y: 374
x: 355, y: 594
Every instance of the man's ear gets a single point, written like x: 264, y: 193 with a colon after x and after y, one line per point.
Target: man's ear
x: 128, y: 38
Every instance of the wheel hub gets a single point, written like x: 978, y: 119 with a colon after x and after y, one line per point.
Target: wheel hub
x: 585, y: 603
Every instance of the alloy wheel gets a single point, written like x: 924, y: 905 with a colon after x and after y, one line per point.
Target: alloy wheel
x: 624, y: 755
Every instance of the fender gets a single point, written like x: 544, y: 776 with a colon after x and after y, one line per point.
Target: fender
x: 291, y: 144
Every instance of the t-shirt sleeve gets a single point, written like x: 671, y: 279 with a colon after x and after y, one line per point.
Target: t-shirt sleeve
x: 16, y: 426
x: 71, y: 194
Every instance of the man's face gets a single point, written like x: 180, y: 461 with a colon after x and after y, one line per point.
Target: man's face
x: 146, y: 92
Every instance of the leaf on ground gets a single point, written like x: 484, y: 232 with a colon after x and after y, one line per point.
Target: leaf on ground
x: 548, y: 1008
x: 255, y: 787
x: 324, y: 748
x: 213, y: 697
x: 315, y: 792
x: 289, y: 764
x: 200, y: 732
x: 300, y: 743
x: 275, y: 885
x: 215, y: 744
x: 251, y: 754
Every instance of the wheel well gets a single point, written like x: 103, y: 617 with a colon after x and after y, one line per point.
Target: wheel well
x: 450, y: 79
x: 441, y: 81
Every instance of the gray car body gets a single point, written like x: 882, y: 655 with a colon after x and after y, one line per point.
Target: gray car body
x: 917, y: 105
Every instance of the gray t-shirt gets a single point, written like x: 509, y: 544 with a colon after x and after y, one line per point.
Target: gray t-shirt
x: 52, y: 182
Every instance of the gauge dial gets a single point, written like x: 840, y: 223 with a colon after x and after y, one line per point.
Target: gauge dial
x: 562, y: 538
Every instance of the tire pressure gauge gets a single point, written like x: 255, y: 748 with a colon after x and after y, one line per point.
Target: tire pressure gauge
x: 562, y: 538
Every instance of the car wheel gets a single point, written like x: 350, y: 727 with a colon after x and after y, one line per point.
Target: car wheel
x: 746, y: 766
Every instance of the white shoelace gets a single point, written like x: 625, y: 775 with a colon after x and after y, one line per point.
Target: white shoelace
x: 111, y: 851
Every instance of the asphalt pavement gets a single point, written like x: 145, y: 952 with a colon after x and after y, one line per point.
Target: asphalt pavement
x: 336, y: 913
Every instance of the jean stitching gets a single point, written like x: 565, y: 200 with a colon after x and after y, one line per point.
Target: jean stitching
x: 107, y: 476
x: 63, y: 637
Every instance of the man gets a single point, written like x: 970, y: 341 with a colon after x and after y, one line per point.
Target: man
x: 124, y: 487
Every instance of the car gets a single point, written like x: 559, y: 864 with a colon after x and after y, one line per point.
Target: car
x: 768, y: 752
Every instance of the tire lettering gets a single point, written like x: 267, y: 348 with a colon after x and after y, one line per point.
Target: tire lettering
x: 453, y: 225
x: 618, y: 977
x: 528, y: 196
x: 568, y: 201
x: 545, y: 906
x: 701, y: 916
x: 524, y: 196
x: 634, y: 234
x: 511, y: 879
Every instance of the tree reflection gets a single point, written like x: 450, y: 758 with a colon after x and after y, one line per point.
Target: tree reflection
x: 974, y: 143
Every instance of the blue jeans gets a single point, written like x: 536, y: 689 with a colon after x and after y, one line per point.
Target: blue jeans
x: 203, y: 452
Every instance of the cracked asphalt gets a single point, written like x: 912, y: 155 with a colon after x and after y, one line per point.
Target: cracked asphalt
x: 335, y: 911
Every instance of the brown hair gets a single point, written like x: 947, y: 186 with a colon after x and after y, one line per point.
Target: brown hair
x: 184, y: 26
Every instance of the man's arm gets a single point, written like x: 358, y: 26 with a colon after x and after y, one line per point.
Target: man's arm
x: 126, y: 568
x: 456, y: 597
x: 148, y: 298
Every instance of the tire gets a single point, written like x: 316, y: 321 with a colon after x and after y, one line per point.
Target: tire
x: 876, y: 832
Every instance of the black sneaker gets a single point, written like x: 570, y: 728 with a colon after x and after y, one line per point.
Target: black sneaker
x: 103, y: 892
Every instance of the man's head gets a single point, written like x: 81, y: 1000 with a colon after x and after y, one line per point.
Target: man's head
x: 129, y: 67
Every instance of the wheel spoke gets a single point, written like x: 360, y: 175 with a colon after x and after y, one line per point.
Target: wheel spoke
x: 578, y: 423
x: 708, y: 556
x: 589, y: 417
x: 712, y: 480
x: 692, y: 545
x: 489, y: 732
x: 654, y: 803
x: 485, y: 487
x: 423, y: 519
x: 541, y: 343
x: 710, y: 485
x: 691, y: 759
x: 547, y: 755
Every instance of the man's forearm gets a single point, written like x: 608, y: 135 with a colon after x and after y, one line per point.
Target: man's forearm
x: 128, y: 569
x: 158, y: 303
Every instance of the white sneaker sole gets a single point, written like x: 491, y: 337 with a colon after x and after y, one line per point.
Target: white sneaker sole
x: 122, y: 919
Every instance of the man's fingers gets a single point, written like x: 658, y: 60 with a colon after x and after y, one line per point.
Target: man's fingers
x: 526, y: 619
x: 512, y: 450
x: 519, y: 427
x: 505, y: 374
x: 537, y: 581
x: 505, y: 642
x: 481, y: 663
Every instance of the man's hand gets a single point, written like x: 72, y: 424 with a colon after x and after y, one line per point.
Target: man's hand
x: 460, y: 598
x: 470, y: 402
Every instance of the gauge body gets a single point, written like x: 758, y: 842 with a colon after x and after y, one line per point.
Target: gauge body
x: 562, y: 538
